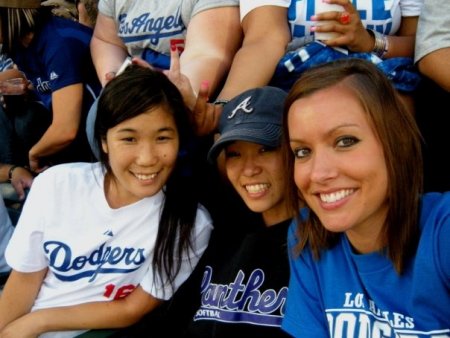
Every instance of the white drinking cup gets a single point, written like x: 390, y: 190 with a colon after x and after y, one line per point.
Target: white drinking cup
x: 321, y: 7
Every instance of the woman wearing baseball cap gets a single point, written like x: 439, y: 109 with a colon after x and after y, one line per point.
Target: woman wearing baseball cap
x: 239, y: 287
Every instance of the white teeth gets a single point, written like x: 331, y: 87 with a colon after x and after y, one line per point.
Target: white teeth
x: 336, y: 196
x: 143, y: 177
x: 256, y: 188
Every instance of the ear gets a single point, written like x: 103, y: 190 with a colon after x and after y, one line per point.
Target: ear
x: 104, y: 145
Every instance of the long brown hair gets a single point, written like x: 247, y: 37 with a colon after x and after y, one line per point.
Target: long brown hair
x: 400, y: 139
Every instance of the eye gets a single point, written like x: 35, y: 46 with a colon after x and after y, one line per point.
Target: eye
x: 346, y: 141
x: 231, y: 154
x: 266, y: 149
x: 301, y: 153
x: 163, y: 138
x: 129, y: 139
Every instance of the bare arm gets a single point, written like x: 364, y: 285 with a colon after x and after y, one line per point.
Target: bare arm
x: 66, y: 108
x: 266, y: 35
x: 107, y: 49
x: 95, y: 315
x: 18, y: 295
x: 436, y: 66
x: 213, y: 37
x: 402, y: 44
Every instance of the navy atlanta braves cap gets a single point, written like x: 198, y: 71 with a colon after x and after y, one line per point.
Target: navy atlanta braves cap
x: 255, y: 116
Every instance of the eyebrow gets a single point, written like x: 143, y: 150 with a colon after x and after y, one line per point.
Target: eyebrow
x: 331, y: 131
x: 131, y: 130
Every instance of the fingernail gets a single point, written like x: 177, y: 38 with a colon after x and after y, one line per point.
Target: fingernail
x: 173, y: 48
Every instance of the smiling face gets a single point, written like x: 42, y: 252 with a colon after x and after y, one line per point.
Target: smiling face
x: 142, y: 153
x: 339, y: 164
x: 255, y: 172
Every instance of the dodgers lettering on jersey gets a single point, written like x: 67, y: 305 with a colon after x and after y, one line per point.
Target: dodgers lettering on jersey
x: 360, y: 317
x: 145, y: 27
x: 104, y: 260
x: 241, y: 301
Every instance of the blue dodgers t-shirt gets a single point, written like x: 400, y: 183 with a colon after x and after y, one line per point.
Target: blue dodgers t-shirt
x: 59, y: 56
x: 344, y: 294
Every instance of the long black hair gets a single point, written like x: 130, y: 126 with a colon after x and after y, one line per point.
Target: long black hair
x: 128, y: 95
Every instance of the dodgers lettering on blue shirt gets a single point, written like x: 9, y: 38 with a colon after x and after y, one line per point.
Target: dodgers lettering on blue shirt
x: 360, y: 317
x: 104, y: 260
x: 147, y: 27
x: 241, y: 302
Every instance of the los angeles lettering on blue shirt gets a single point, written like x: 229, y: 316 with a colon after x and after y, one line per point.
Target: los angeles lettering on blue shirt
x: 43, y: 86
x: 360, y: 317
x: 104, y: 260
x: 241, y: 302
x: 134, y: 29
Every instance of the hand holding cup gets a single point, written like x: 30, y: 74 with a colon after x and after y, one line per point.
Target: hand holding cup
x: 14, y: 86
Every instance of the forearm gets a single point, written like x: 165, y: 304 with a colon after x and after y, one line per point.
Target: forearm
x: 436, y: 66
x: 94, y: 315
x: 54, y: 140
x: 107, y: 57
x: 66, y: 115
x: 250, y: 69
x: 18, y: 295
x: 209, y: 52
x: 400, y: 46
x: 4, y: 171
x: 205, y: 67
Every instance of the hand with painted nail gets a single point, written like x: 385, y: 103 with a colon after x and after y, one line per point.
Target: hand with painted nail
x: 205, y: 114
x: 350, y: 30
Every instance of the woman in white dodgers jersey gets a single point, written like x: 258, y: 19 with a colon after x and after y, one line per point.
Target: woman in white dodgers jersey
x: 128, y: 229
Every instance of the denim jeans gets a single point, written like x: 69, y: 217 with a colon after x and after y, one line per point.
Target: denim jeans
x: 22, y: 124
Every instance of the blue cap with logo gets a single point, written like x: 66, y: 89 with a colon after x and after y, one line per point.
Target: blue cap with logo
x: 255, y: 116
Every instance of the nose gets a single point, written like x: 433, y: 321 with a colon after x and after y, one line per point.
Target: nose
x: 323, y: 167
x: 147, y: 154
x: 250, y: 166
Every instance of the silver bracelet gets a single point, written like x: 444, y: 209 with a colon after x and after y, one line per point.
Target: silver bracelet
x: 381, y: 43
x: 221, y: 102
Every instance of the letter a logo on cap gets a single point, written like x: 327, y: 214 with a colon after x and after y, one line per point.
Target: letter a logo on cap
x: 244, y: 105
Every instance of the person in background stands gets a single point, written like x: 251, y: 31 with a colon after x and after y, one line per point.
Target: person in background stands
x: 43, y: 45
x: 83, y: 11
x: 432, y: 57
x: 370, y: 254
x: 206, y: 32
